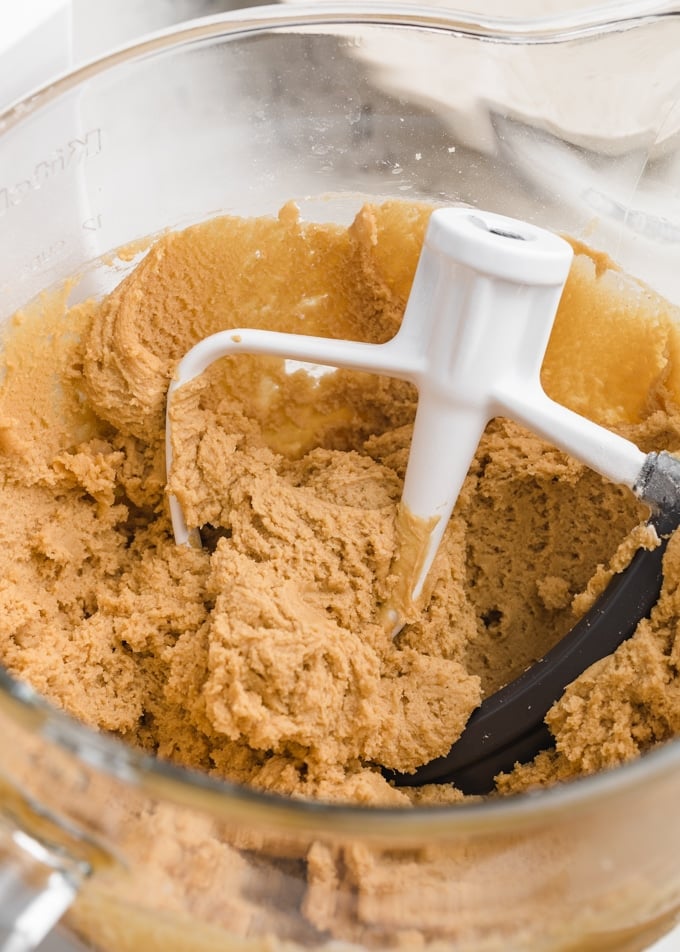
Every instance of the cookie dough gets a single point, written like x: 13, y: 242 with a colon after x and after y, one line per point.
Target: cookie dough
x: 261, y: 656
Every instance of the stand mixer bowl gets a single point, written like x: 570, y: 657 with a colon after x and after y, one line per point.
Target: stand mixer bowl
x: 554, y: 122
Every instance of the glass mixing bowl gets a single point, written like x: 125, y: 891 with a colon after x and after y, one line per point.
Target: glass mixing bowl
x: 571, y: 123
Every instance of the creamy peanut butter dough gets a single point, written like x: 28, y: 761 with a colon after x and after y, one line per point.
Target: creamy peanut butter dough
x: 261, y: 657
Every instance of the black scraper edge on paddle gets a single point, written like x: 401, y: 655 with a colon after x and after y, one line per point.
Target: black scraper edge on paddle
x: 509, y: 726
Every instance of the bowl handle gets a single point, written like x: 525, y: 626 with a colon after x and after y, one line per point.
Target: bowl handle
x: 44, y: 861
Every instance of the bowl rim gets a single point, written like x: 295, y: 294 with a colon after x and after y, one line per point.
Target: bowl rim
x: 227, y: 800
x: 234, y: 802
x: 593, y: 20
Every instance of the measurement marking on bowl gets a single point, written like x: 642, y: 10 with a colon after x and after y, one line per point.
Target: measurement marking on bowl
x: 64, y: 158
x: 44, y: 257
x: 94, y: 223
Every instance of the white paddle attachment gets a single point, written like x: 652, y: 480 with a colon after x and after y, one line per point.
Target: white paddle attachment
x: 472, y: 340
